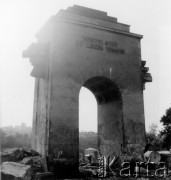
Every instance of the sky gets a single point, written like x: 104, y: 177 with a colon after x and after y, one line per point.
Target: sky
x: 20, y: 20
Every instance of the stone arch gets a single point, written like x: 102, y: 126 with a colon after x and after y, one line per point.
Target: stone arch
x: 110, y: 115
x: 74, y: 46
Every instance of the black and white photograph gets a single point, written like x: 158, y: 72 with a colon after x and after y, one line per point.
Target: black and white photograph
x: 85, y: 89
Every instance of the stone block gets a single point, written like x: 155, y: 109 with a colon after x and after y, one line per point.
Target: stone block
x: 15, y: 171
x: 31, y: 160
x: 13, y: 154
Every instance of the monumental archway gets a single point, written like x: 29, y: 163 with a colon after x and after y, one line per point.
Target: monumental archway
x: 81, y: 46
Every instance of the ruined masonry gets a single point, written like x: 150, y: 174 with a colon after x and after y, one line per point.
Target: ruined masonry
x: 86, y: 47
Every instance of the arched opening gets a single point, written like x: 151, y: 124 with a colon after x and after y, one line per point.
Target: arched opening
x: 87, y: 111
x: 87, y: 121
x: 110, y: 131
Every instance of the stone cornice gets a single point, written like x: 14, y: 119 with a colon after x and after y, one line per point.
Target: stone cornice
x: 103, y: 22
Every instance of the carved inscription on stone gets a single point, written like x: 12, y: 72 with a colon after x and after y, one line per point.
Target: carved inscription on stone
x: 113, y: 47
x: 92, y: 43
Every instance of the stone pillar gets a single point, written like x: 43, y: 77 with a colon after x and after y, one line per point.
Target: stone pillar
x: 110, y: 128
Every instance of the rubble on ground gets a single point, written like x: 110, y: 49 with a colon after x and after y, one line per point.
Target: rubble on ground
x: 27, y: 164
x: 20, y: 163
x: 14, y: 154
x: 134, y: 154
x: 13, y: 170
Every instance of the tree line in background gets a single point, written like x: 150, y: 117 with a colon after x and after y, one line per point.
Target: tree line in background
x: 18, y: 136
x: 21, y: 136
x: 161, y: 140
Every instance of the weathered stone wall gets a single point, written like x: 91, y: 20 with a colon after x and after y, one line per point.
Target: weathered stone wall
x: 39, y: 130
x: 79, y: 54
x: 110, y: 128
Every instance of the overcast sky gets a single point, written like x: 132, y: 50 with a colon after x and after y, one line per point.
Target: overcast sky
x: 21, y: 19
